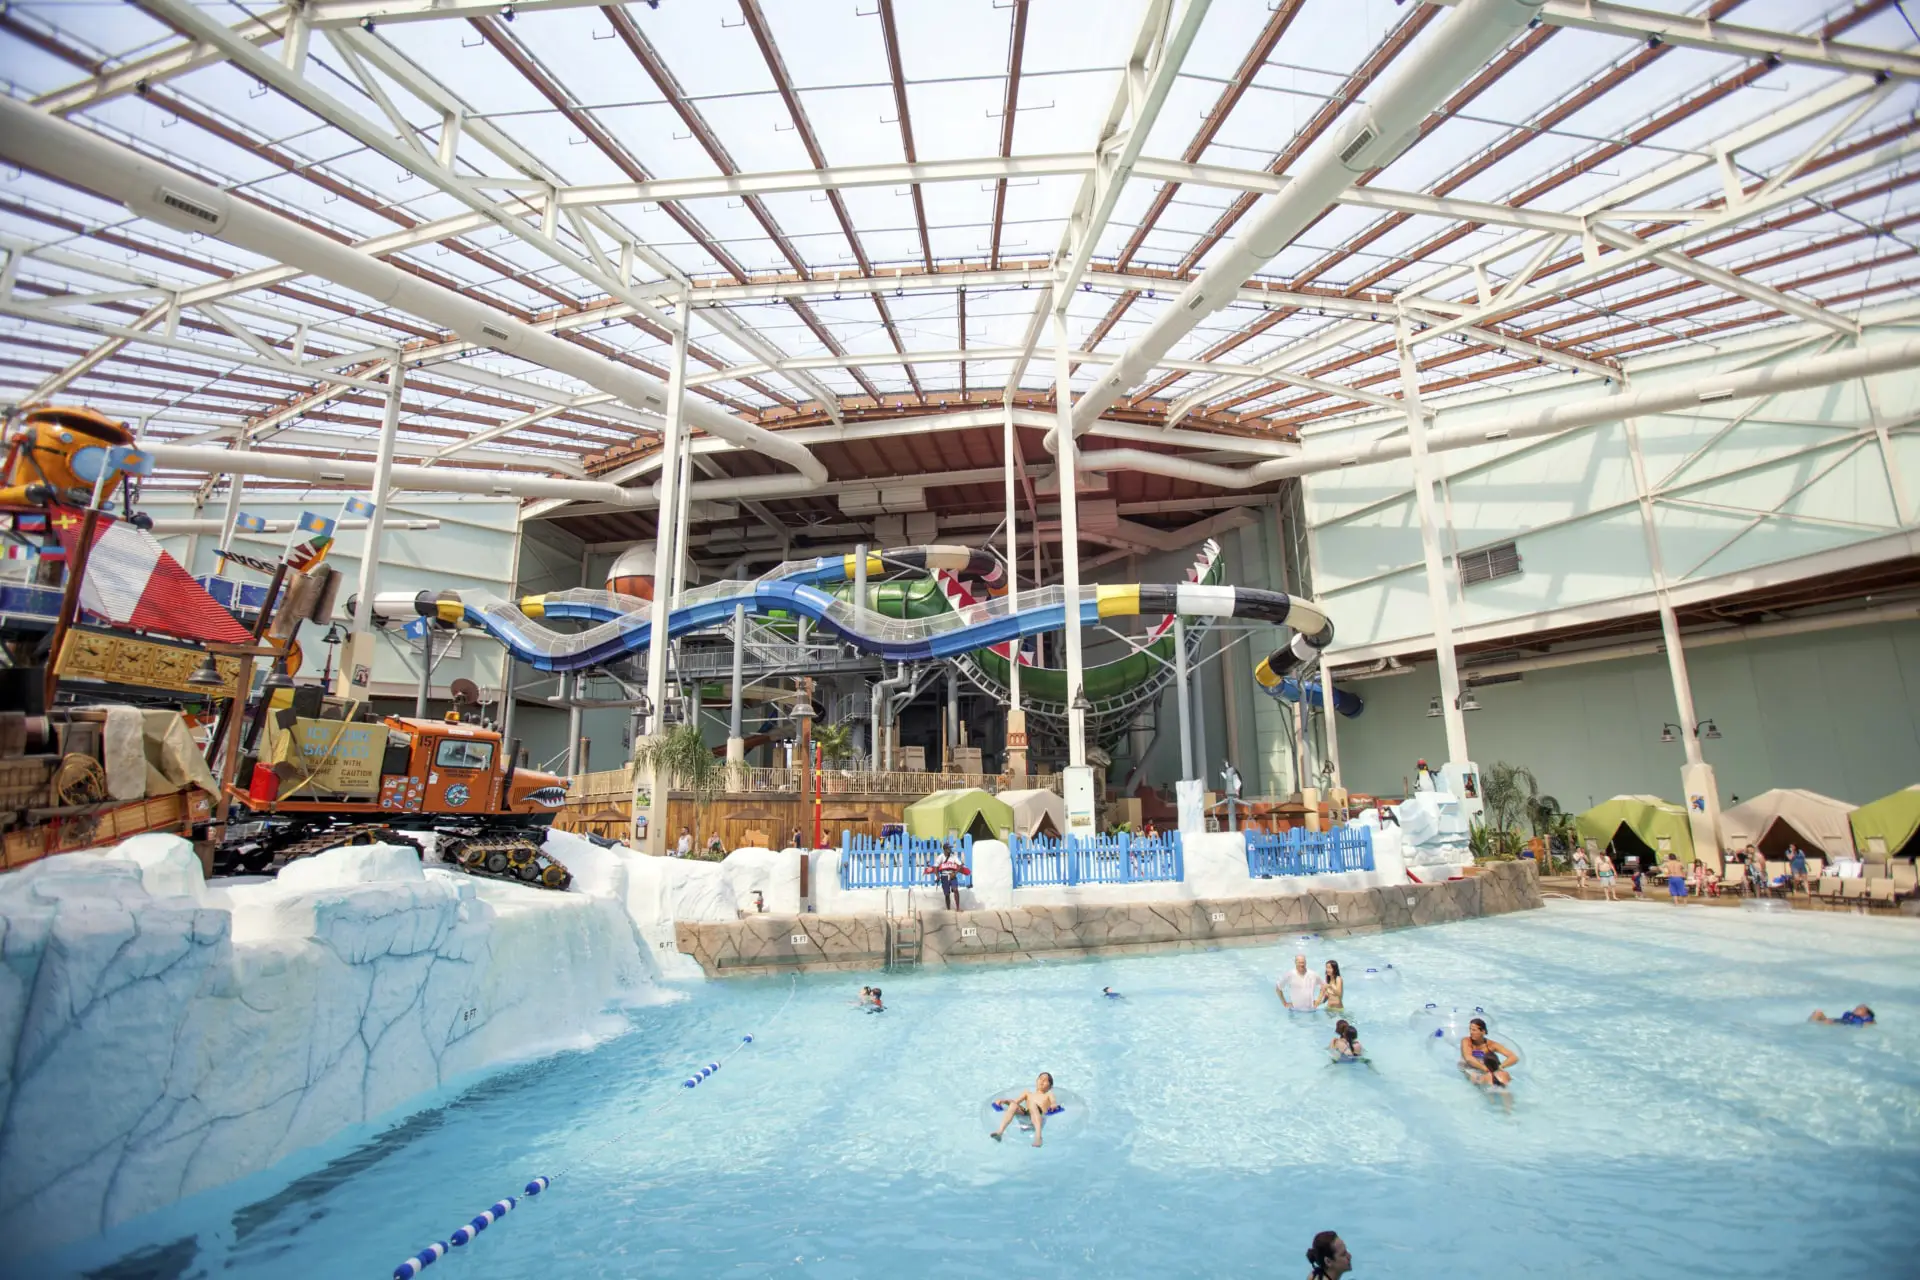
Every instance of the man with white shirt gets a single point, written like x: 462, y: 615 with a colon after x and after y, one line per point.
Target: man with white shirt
x: 1299, y: 990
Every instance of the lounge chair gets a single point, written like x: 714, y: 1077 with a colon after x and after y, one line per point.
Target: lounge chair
x: 1853, y: 889
x: 1906, y: 882
x: 1880, y: 893
x: 1828, y: 889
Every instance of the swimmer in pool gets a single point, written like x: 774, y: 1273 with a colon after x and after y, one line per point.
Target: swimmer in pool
x: 1033, y: 1103
x: 1111, y: 994
x: 1474, y: 1053
x: 1858, y: 1016
x: 1333, y: 989
x: 1300, y: 989
x: 874, y: 1005
x: 1346, y: 1040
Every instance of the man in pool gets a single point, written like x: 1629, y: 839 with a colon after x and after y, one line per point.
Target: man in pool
x: 1299, y: 990
x: 1034, y: 1103
x: 1858, y: 1016
x: 1111, y: 994
x: 1475, y: 1059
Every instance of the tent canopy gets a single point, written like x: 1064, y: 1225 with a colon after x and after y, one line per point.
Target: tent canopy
x: 970, y: 811
x: 1035, y: 813
x: 1891, y: 823
x: 1649, y: 818
x: 1773, y: 819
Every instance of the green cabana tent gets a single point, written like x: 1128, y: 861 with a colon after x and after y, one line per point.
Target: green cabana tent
x: 1889, y: 827
x: 1647, y: 820
x: 969, y: 810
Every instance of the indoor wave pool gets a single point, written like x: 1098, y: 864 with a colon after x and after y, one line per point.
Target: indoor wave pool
x: 1675, y: 1116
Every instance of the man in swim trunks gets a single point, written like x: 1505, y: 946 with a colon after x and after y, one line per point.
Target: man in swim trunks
x: 1676, y: 879
x: 1858, y: 1016
x: 1034, y: 1103
x: 1473, y: 1056
x: 1299, y: 990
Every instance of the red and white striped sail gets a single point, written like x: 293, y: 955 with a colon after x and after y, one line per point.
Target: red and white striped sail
x: 132, y: 582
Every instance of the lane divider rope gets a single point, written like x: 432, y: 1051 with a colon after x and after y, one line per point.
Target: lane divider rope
x: 469, y: 1231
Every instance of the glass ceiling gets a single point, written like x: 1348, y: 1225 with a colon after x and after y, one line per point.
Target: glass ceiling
x: 879, y: 291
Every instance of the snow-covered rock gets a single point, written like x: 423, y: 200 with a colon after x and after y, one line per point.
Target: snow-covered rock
x: 156, y: 1041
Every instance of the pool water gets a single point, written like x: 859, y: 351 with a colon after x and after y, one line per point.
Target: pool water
x: 1674, y: 1117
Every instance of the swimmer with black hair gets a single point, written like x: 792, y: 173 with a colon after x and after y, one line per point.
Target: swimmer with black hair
x: 1346, y: 1041
x: 876, y: 1006
x: 1034, y: 1103
x: 1858, y: 1016
x: 1111, y: 994
x: 1485, y: 1060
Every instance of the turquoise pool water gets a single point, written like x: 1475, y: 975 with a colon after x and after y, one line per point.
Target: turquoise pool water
x: 1675, y: 1117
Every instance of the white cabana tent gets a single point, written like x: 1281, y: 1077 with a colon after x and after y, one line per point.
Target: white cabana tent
x: 1774, y: 819
x: 1037, y: 812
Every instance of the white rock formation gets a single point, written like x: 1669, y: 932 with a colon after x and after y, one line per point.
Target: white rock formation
x: 159, y: 1036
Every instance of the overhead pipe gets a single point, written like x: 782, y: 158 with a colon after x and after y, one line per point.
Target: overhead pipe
x: 1522, y: 424
x: 66, y: 152
x: 323, y: 471
x: 1371, y: 138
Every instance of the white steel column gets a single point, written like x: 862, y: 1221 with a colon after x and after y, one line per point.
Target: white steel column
x: 1067, y: 461
x: 665, y: 569
x: 1016, y: 753
x: 1696, y: 776
x: 355, y: 679
x: 1437, y: 603
x: 237, y: 483
x: 1183, y: 696
x: 1327, y: 714
x: 736, y: 742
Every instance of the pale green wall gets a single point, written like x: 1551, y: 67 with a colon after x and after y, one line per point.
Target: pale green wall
x: 1836, y: 712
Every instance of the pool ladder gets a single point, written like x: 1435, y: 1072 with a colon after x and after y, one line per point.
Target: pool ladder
x: 904, y: 937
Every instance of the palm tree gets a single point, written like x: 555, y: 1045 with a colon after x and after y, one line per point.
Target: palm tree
x: 1510, y: 792
x: 834, y: 740
x: 682, y: 756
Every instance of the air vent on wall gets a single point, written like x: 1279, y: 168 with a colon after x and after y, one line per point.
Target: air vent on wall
x: 1361, y: 141
x: 1499, y: 561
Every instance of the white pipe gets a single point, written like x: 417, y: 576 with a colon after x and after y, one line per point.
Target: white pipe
x: 163, y: 527
x: 72, y: 154
x: 1370, y: 138
x: 1522, y: 424
x: 1013, y: 546
x: 381, y: 495
x: 1069, y: 545
x: 331, y: 471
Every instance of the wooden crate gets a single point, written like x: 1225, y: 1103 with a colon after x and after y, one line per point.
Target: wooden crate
x: 99, y: 825
x: 23, y: 781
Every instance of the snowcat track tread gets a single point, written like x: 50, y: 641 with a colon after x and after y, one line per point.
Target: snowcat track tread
x: 522, y: 856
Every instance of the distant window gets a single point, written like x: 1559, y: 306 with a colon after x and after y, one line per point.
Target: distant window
x: 1488, y: 563
x: 462, y: 753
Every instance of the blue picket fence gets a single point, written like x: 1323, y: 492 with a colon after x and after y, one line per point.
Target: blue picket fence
x: 895, y: 862
x: 1300, y: 852
x: 1121, y: 859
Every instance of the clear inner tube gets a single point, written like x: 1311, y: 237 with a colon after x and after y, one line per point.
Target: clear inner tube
x: 1373, y: 973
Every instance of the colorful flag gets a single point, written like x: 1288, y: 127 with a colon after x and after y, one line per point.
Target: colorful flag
x: 247, y: 523
x: 358, y: 507
x: 132, y: 582
x: 254, y: 563
x: 316, y: 524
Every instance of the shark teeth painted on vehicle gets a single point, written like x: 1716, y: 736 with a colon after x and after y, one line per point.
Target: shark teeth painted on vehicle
x: 552, y: 797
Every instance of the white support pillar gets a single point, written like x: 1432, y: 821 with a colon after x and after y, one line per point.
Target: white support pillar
x: 1437, y: 598
x: 665, y: 570
x: 736, y: 741
x: 236, y: 487
x: 1697, y: 780
x: 1327, y: 714
x: 1077, y: 782
x: 355, y: 678
x: 1183, y: 696
x: 1016, y: 761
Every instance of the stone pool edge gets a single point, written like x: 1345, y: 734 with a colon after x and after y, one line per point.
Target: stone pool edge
x: 760, y: 945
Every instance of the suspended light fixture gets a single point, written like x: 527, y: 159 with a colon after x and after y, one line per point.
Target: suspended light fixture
x: 208, y: 676
x: 1669, y: 732
x: 1467, y: 702
x: 1707, y: 728
x: 1080, y: 702
x: 1434, y: 710
x: 277, y: 679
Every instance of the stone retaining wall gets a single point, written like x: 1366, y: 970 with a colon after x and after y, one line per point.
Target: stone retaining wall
x: 763, y: 944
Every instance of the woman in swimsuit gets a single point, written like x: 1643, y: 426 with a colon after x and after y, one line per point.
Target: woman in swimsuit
x: 1034, y: 1102
x: 1346, y: 1040
x: 1474, y: 1059
x: 1333, y: 989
